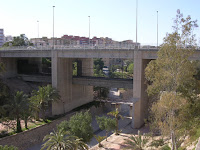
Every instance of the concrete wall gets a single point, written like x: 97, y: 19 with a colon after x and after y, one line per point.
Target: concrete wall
x: 10, y: 67
x: 140, y: 98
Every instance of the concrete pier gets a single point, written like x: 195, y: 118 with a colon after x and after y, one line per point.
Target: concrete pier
x: 140, y: 97
x: 72, y: 96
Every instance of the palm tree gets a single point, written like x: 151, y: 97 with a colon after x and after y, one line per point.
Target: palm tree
x: 136, y: 142
x: 61, y: 140
x: 117, y: 116
x: 41, y: 99
x: 19, y: 102
x: 78, y: 144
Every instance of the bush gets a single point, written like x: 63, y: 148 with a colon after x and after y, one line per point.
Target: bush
x: 80, y: 126
x: 106, y: 123
x: 64, y: 125
x: 166, y: 147
x: 6, y: 147
x: 157, y: 143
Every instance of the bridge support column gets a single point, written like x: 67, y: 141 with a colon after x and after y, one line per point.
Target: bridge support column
x: 83, y: 94
x: 62, y: 81
x: 10, y: 67
x: 140, y: 98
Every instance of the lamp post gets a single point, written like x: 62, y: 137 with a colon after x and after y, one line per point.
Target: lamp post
x: 38, y: 28
x: 136, y: 21
x: 157, y: 29
x: 89, y: 29
x: 53, y: 27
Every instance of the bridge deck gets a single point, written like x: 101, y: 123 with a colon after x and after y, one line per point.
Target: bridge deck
x: 127, y: 53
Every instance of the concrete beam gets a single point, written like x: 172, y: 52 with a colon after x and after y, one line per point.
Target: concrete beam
x: 36, y: 78
x: 103, y: 82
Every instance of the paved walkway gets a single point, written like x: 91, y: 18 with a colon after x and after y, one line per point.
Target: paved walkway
x: 115, y: 142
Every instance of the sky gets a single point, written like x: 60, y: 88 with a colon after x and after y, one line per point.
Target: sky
x: 115, y: 19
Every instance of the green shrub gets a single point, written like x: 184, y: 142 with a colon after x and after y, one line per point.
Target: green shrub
x: 136, y: 142
x: 166, y: 147
x: 80, y: 126
x: 6, y: 147
x: 64, y: 125
x: 106, y: 123
x: 157, y: 143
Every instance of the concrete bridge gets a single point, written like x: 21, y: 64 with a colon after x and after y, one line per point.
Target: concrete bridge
x: 88, y: 81
x: 74, y: 95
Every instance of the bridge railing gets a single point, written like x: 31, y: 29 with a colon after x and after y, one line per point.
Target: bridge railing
x: 81, y: 47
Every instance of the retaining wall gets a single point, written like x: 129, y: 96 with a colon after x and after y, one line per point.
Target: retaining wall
x: 34, y: 136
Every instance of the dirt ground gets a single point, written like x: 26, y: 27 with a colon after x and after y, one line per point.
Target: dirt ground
x: 11, y: 125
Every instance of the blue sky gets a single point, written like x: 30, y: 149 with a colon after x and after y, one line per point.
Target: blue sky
x: 109, y: 18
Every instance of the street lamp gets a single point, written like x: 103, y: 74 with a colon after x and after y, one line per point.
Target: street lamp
x: 53, y: 27
x: 89, y: 29
x: 157, y: 29
x: 38, y: 28
x: 136, y: 20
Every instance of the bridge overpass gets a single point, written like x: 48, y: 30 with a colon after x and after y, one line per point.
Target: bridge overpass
x: 87, y: 81
x: 74, y: 95
x: 91, y: 52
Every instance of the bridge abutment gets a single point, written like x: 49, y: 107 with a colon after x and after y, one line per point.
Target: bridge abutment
x: 140, y: 97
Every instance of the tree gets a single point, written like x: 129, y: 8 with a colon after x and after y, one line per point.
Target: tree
x: 5, y: 98
x: 130, y: 68
x: 80, y: 126
x: 21, y: 40
x: 98, y: 67
x: 41, y: 99
x: 107, y: 124
x: 62, y: 140
x: 117, y: 116
x: 99, y: 139
x: 16, y: 108
x: 26, y: 112
x: 102, y: 92
x: 171, y: 78
x: 78, y: 144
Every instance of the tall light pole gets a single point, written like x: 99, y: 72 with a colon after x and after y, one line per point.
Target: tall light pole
x: 89, y: 29
x: 157, y: 29
x: 38, y: 28
x: 136, y: 20
x: 53, y: 27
